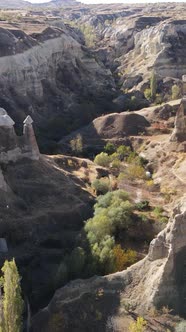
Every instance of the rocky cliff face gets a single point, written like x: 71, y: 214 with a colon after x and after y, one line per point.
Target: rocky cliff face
x: 52, y: 77
x: 158, y: 280
x: 135, y: 40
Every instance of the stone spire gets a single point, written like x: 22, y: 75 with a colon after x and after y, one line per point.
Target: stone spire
x: 179, y: 132
x: 5, y: 119
x: 30, y: 146
x: 28, y: 121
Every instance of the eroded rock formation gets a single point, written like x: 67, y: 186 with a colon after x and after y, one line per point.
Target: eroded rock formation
x: 53, y: 77
x: 15, y: 147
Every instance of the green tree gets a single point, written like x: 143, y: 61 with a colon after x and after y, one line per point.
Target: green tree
x: 153, y: 85
x: 77, y: 144
x: 101, y: 186
x: 109, y: 148
x: 12, y: 306
x: 76, y: 262
x: 102, y: 159
x: 89, y: 35
x: 175, y: 92
x: 112, y: 213
x: 61, y: 275
x: 123, y: 151
x: 147, y: 94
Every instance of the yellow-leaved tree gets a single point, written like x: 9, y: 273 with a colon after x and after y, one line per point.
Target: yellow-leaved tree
x: 139, y: 326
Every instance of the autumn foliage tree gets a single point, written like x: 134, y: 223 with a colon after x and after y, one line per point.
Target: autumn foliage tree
x: 123, y: 258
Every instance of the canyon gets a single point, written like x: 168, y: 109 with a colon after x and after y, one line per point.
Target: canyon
x: 73, y: 73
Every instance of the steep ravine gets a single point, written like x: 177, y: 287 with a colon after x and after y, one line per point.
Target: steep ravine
x: 54, y: 78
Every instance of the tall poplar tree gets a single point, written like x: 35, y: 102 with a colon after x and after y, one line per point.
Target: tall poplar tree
x: 12, y: 303
x: 153, y: 85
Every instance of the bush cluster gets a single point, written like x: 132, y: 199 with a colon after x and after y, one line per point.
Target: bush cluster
x: 113, y: 213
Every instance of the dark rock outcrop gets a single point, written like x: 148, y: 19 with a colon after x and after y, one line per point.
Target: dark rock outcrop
x: 42, y: 209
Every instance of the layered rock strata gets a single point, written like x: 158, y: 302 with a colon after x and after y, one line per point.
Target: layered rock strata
x: 53, y: 77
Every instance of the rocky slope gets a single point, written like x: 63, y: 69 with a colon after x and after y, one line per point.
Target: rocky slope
x: 158, y: 280
x: 135, y: 40
x: 116, y: 127
x: 42, y: 209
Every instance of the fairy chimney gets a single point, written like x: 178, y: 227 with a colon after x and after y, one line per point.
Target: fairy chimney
x: 30, y: 143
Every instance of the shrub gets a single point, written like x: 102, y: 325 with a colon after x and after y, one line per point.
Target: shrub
x: 132, y: 172
x: 123, y: 151
x: 103, y: 201
x: 101, y: 186
x: 102, y: 159
x: 116, y: 164
x: 139, y: 326
x: 143, y: 218
x: 142, y: 205
x: 158, y: 213
x: 109, y: 148
x: 158, y: 210
x: 150, y: 183
x: 147, y: 94
x: 164, y: 220
x: 134, y: 158
x: 158, y: 99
